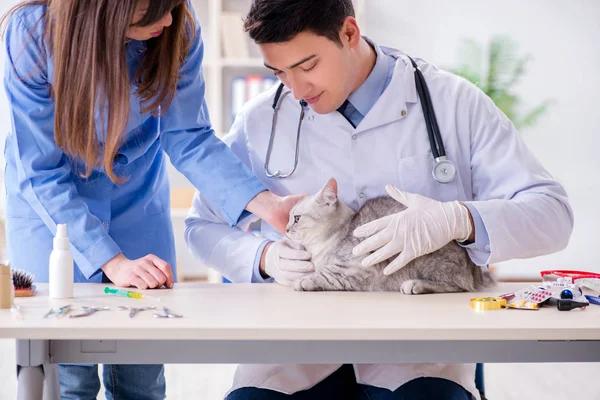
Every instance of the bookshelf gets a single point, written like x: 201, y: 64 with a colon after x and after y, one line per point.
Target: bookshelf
x: 217, y: 16
x: 219, y: 69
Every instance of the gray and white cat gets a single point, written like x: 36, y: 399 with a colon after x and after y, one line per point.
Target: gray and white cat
x: 324, y: 226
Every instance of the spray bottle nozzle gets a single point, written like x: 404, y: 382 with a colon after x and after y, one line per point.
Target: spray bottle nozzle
x: 61, y: 231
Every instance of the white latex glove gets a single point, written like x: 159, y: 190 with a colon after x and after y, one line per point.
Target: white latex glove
x: 287, y: 261
x: 424, y: 227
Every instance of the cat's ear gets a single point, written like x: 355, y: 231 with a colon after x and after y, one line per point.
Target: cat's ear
x: 329, y: 194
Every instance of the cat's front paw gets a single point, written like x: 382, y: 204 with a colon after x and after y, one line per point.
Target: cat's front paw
x: 306, y: 285
x: 412, y: 286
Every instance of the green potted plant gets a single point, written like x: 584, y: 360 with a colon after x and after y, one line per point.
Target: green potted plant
x: 497, y: 69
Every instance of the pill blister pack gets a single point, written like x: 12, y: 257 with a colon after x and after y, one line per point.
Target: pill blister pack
x: 534, y: 295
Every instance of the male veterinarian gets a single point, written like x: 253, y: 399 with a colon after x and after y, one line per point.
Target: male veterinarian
x: 361, y: 111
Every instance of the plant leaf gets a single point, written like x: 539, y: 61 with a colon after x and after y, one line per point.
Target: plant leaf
x: 532, y: 116
x: 497, y: 79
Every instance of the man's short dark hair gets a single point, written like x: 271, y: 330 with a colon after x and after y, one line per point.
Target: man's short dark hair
x: 277, y: 21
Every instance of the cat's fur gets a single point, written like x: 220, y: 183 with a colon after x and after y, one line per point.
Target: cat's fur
x: 324, y: 226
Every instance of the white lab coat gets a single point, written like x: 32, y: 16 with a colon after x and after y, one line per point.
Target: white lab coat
x: 524, y: 210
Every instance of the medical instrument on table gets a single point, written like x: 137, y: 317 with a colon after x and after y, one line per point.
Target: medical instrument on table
x: 590, y: 283
x: 563, y: 289
x: 592, y: 299
x: 571, y: 294
x: 89, y: 311
x: 61, y: 275
x: 487, y: 303
x: 573, y: 280
x: 444, y: 170
x: 560, y: 283
x: 568, y: 305
x: 129, y: 293
x: 134, y: 310
x: 167, y: 314
x: 58, y: 312
x: 572, y: 275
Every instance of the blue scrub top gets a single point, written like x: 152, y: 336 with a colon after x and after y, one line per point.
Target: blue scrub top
x: 44, y: 187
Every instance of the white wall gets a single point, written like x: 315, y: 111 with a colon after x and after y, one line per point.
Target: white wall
x: 563, y: 38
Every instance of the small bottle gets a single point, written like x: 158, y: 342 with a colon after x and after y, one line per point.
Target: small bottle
x: 61, y: 266
x: 6, y: 288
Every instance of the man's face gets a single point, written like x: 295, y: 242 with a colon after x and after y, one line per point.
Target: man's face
x: 315, y: 68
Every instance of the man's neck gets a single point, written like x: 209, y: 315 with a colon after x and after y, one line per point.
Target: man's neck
x: 366, y: 59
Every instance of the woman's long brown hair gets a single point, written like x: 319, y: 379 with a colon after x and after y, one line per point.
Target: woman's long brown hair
x: 87, y: 40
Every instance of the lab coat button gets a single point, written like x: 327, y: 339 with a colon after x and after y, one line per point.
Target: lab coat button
x: 354, y: 137
x: 403, y: 113
x: 362, y: 195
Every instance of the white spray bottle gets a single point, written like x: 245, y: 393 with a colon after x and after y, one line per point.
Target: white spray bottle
x: 61, y: 266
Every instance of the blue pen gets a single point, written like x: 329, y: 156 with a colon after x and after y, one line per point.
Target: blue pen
x: 593, y: 299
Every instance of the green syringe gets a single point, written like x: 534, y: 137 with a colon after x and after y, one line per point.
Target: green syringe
x: 128, y: 293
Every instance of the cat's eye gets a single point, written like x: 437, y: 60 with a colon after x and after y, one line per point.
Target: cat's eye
x: 296, y: 218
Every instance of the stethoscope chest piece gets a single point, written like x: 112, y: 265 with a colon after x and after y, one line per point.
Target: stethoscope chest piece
x: 444, y: 170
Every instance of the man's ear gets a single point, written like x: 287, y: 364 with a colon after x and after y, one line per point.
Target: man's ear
x: 350, y: 32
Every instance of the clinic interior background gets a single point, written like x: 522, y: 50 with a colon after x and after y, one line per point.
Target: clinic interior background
x: 562, y: 39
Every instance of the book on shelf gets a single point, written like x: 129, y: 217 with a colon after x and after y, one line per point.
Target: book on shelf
x: 244, y: 88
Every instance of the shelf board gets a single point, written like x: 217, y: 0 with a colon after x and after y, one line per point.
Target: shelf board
x: 243, y: 62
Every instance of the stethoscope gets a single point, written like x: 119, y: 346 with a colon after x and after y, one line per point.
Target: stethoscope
x: 444, y: 170
x: 276, y: 105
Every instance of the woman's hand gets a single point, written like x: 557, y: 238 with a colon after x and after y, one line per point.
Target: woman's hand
x: 274, y: 209
x: 148, y: 272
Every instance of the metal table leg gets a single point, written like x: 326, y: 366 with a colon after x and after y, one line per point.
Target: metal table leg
x: 33, y: 367
x: 30, y: 383
x: 51, y: 386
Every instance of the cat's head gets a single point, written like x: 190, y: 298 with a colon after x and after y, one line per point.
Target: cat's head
x: 317, y: 215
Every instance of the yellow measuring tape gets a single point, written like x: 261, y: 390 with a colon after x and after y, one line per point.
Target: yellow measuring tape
x: 487, y: 303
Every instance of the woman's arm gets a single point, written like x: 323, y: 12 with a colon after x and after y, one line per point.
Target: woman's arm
x: 43, y: 170
x: 188, y: 138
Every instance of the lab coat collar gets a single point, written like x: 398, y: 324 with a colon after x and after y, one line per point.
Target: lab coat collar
x: 392, y: 104
x: 371, y: 89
